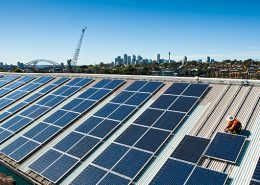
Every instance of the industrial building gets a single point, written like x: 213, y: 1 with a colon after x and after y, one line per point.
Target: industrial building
x: 121, y: 129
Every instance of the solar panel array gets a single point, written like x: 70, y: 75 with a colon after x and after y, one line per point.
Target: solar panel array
x: 256, y: 175
x: 191, y: 149
x: 226, y: 147
x: 132, y: 150
x: 84, y: 139
x: 23, y: 91
x: 44, y: 131
x: 32, y: 98
x: 182, y: 173
x: 26, y: 117
x: 7, y: 79
x: 14, y: 85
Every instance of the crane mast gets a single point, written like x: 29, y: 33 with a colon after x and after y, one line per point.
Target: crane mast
x: 76, y: 54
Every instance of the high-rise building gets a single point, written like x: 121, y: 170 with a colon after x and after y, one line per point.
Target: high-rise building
x: 212, y: 60
x: 125, y: 59
x: 139, y: 59
x: 185, y: 59
x: 158, y: 58
x: 134, y: 59
x: 208, y: 59
x: 20, y: 65
x: 128, y: 60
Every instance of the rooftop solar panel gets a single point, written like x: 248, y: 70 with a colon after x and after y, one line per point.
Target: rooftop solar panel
x: 89, y: 124
x: 114, y: 84
x: 256, y: 174
x: 106, y: 110
x: 152, y: 140
x: 131, y: 135
x: 122, y: 112
x: 122, y: 97
x: 172, y: 172
x: 151, y: 87
x: 195, y: 90
x: 135, y: 86
x: 111, y: 155
x: 169, y: 120
x: 203, y: 176
x: 183, y: 104
x: 111, y: 178
x: 91, y: 175
x: 191, y: 148
x: 60, y: 166
x: 130, y: 169
x: 104, y: 128
x: 225, y: 147
x: 176, y: 88
x: 137, y: 99
x: 68, y: 141
x: 102, y: 83
x: 164, y: 101
x: 148, y: 117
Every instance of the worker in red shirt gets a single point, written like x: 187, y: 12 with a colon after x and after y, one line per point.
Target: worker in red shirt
x: 234, y: 125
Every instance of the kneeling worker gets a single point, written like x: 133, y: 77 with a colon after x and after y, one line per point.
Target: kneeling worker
x: 234, y: 125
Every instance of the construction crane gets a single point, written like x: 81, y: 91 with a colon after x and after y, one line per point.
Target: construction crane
x: 73, y: 63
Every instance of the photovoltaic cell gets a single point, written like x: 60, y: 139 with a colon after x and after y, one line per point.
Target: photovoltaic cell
x: 106, y: 110
x: 135, y: 86
x: 84, y: 106
x: 114, y: 84
x: 148, y: 117
x: 122, y: 112
x: 172, y: 172
x: 191, y: 148
x: 137, y: 99
x: 67, y: 142
x: 150, y: 87
x: 14, y: 145
x: 36, y: 130
x: 111, y: 178
x: 66, y: 119
x: 90, y: 175
x: 176, y: 88
x: 100, y: 94
x: 256, y: 174
x: 88, y: 125
x: 152, y: 140
x: 88, y: 93
x: 45, y: 160
x: 55, y: 171
x: 122, y: 97
x: 164, y: 101
x: 225, y: 147
x: 195, y: 90
x: 169, y: 120
x: 83, y: 146
x: 132, y: 162
x: 183, y: 104
x: 104, y: 128
x: 46, y: 134
x: 131, y: 135
x: 203, y: 176
x: 111, y: 155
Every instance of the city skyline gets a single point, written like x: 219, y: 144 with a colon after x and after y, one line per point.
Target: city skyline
x: 51, y: 29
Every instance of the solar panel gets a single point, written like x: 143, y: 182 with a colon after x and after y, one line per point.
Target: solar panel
x: 191, y: 148
x: 89, y: 124
x: 225, y: 147
x: 110, y: 156
x: 148, y: 117
x: 164, y: 101
x: 83, y: 146
x: 172, y: 172
x: 137, y: 99
x: 111, y: 178
x: 176, y: 88
x: 151, y: 87
x: 114, y: 84
x: 122, y: 97
x: 131, y: 135
x: 135, y: 86
x: 102, y: 83
x: 90, y: 175
x: 195, y: 90
x: 132, y: 162
x: 45, y: 160
x: 183, y: 104
x: 88, y: 93
x: 60, y: 166
x: 68, y: 141
x: 104, y: 128
x: 106, y: 110
x: 100, y: 94
x: 203, y: 176
x: 169, y: 120
x: 16, y: 144
x: 256, y: 174
x: 35, y: 130
x: 66, y: 119
x: 156, y: 136
x: 84, y: 106
x: 122, y: 112
x: 46, y: 134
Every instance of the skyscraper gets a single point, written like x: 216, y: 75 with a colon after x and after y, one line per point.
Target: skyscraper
x: 125, y: 59
x: 208, y: 59
x: 133, y: 59
x: 128, y: 60
x: 158, y: 58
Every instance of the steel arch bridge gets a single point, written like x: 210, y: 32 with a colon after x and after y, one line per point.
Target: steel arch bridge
x: 35, y: 62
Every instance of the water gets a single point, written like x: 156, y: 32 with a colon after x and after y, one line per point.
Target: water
x: 19, y: 180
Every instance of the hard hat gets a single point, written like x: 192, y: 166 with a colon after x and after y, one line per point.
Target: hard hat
x: 230, y: 118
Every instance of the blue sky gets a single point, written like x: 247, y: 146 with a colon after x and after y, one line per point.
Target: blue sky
x: 50, y: 29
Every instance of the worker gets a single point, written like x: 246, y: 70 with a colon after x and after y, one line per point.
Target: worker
x: 234, y: 125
